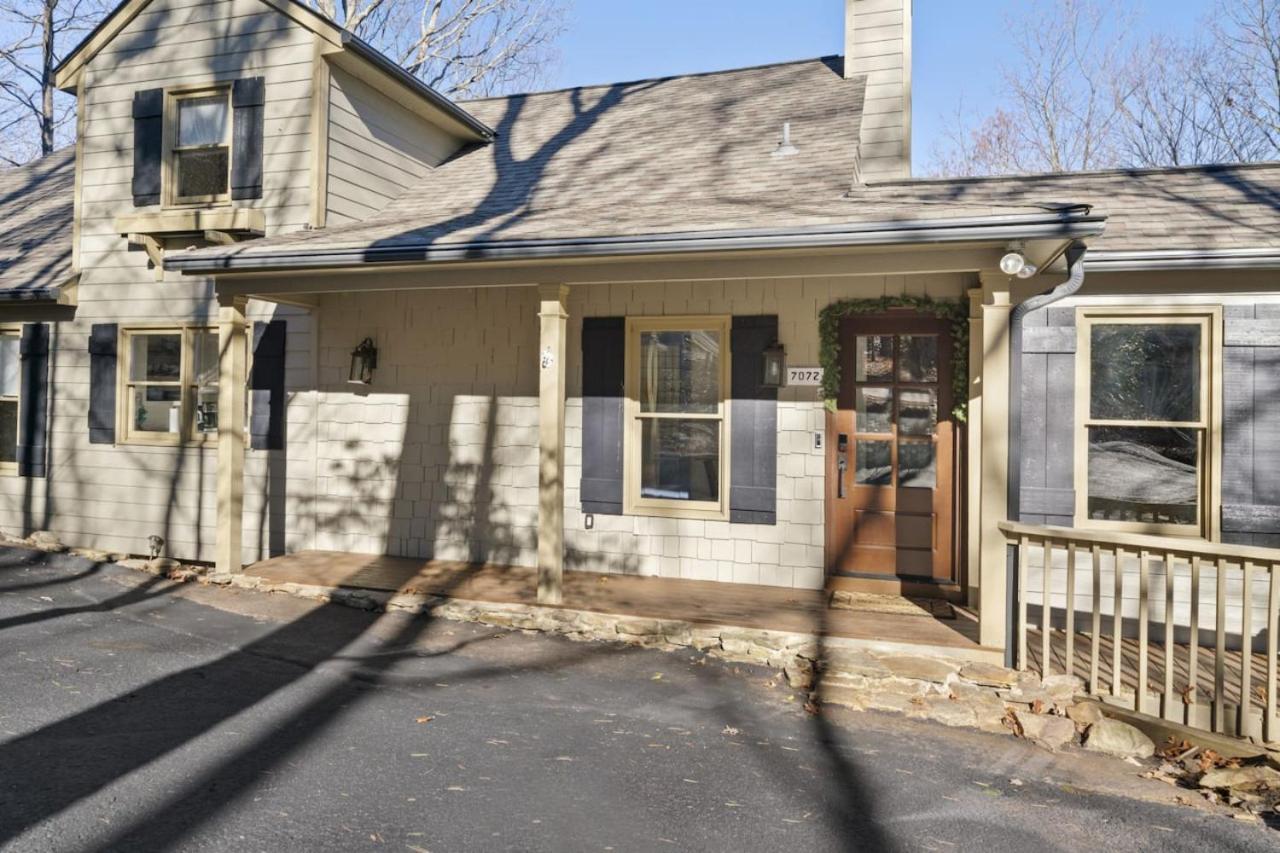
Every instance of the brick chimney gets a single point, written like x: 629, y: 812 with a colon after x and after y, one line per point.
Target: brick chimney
x: 877, y: 45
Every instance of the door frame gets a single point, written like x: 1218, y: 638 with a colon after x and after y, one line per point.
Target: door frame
x: 899, y: 322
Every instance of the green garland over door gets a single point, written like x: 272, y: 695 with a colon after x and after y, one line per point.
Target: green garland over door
x: 955, y: 312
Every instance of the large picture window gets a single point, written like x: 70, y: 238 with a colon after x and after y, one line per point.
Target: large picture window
x: 676, y: 440
x: 169, y: 384
x: 1147, y: 406
x: 199, y: 128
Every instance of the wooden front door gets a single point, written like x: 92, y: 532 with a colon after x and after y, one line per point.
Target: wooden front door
x: 890, y: 464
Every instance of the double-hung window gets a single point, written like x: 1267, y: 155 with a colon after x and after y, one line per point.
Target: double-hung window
x: 1148, y: 406
x: 200, y: 147
x: 676, y: 444
x: 10, y: 395
x: 170, y: 384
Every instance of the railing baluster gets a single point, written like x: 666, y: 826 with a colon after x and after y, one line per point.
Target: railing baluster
x: 1023, y: 548
x: 1117, y: 626
x: 1168, y: 710
x: 1046, y: 610
x: 1246, y: 650
x: 1220, y: 651
x: 1193, y: 661
x: 1096, y: 637
x: 1071, y: 608
x: 1144, y: 628
x: 1273, y: 649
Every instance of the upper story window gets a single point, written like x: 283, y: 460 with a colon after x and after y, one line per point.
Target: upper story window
x: 200, y: 154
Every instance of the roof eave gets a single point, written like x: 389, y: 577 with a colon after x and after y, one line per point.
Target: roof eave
x: 1184, y: 259
x: 889, y: 233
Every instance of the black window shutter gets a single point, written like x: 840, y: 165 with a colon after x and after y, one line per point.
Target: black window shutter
x: 102, y: 383
x: 753, y: 420
x: 603, y: 379
x: 1048, y: 429
x: 266, y: 387
x: 34, y: 404
x: 247, y: 103
x: 148, y: 143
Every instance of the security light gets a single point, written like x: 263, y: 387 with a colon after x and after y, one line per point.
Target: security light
x: 1014, y: 262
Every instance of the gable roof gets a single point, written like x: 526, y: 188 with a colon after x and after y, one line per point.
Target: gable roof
x: 36, y: 227
x: 339, y: 40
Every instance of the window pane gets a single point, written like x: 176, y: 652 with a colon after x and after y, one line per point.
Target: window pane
x: 10, y: 384
x: 918, y: 358
x: 680, y: 460
x: 874, y: 358
x: 202, y: 172
x: 1145, y: 372
x: 202, y: 121
x: 875, y: 410
x: 919, y: 412
x: 1144, y: 474
x: 680, y: 372
x: 873, y: 463
x: 207, y: 410
x: 917, y: 465
x: 206, y: 358
x: 156, y: 408
x: 155, y: 358
x: 8, y: 430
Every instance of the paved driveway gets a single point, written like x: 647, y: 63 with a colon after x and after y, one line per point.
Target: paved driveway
x: 139, y: 715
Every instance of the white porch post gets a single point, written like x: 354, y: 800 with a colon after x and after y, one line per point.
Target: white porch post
x: 233, y: 354
x: 554, y: 317
x: 993, y: 570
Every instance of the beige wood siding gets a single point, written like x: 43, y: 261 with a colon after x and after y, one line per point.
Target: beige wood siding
x: 377, y: 149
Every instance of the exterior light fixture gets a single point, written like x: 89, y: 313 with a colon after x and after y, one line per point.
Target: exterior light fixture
x: 1028, y: 270
x: 1014, y: 262
x: 364, y: 360
x: 775, y: 366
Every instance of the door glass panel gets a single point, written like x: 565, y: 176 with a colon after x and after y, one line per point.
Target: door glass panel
x: 875, y: 410
x: 680, y: 372
x: 873, y: 465
x: 1144, y: 474
x: 1148, y: 372
x: 680, y: 460
x: 874, y: 361
x: 918, y: 412
x: 917, y: 465
x: 918, y: 358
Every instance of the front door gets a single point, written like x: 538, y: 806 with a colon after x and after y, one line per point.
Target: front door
x: 890, y: 497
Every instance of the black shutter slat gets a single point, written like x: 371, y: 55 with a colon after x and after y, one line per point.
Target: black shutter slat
x: 266, y: 387
x: 148, y: 144
x: 102, y: 383
x: 753, y: 421
x: 248, y: 99
x: 34, y: 402
x: 603, y: 380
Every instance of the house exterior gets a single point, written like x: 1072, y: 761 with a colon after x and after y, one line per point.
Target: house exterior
x: 560, y: 310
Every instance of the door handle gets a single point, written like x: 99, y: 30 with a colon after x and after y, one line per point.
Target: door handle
x: 842, y: 465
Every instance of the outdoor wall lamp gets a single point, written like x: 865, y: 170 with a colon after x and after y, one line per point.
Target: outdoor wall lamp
x: 775, y: 365
x: 364, y: 360
x: 1015, y: 263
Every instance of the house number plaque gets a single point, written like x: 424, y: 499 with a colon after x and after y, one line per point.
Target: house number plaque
x: 804, y: 376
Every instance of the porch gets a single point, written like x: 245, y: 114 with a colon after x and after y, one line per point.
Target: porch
x: 797, y: 611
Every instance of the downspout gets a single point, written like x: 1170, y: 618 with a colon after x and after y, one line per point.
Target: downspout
x: 1075, y: 281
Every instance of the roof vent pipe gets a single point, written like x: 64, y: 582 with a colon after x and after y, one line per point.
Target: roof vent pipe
x: 1070, y: 287
x: 785, y: 148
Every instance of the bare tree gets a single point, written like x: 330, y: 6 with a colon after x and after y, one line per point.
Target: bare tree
x: 1245, y: 78
x: 463, y: 48
x: 34, y: 116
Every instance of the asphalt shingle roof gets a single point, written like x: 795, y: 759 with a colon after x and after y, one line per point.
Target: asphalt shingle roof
x: 36, y: 202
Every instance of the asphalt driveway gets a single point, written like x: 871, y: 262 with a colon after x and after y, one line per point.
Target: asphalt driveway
x: 136, y: 714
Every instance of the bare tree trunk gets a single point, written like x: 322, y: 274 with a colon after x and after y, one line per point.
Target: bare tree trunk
x: 47, y: 64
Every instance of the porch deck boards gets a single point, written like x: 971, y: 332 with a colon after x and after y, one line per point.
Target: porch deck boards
x: 701, y: 602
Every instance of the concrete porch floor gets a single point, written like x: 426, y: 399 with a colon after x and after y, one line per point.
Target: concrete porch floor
x: 699, y: 602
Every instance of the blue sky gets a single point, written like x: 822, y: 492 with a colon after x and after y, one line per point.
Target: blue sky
x: 957, y: 43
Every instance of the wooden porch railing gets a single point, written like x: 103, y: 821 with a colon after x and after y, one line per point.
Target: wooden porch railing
x: 1100, y: 595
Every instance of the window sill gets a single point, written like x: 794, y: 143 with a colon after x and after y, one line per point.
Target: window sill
x: 195, y: 220
x: 690, y: 514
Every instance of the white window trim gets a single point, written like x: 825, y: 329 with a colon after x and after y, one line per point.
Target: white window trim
x: 188, y: 396
x: 169, y: 160
x: 1209, y: 318
x: 633, y: 503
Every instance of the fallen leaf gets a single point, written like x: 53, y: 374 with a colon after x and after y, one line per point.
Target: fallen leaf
x: 657, y: 676
x: 425, y: 719
x: 730, y: 730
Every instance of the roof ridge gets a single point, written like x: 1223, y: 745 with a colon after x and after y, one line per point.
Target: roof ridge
x: 1203, y: 168
x: 690, y: 75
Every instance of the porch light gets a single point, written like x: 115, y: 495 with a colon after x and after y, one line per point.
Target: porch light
x: 1014, y: 262
x: 364, y: 359
x: 775, y: 365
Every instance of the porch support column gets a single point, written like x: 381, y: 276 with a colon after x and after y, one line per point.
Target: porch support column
x: 973, y: 462
x: 553, y: 316
x: 993, y: 571
x: 232, y: 381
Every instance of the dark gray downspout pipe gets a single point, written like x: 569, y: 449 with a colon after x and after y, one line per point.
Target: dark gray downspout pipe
x: 1075, y: 280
